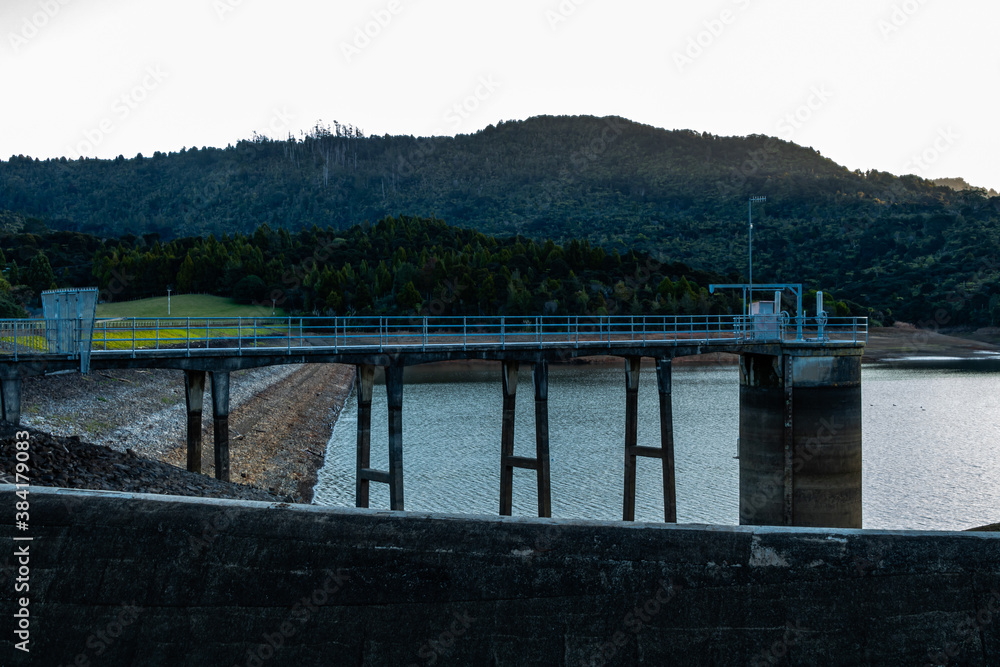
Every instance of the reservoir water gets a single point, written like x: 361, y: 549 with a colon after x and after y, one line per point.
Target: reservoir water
x: 931, y: 445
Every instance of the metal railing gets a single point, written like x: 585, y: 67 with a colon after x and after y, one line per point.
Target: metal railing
x: 148, y: 335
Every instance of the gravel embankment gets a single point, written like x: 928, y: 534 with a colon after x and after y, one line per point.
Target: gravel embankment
x: 143, y: 410
x: 68, y: 462
x: 126, y: 431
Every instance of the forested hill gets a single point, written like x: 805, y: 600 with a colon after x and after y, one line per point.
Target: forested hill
x: 904, y: 246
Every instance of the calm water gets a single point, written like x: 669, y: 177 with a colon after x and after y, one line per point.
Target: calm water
x: 930, y: 445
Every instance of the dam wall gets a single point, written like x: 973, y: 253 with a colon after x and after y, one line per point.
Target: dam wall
x: 135, y: 579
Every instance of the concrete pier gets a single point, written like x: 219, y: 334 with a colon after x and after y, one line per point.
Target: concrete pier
x: 11, y: 399
x: 194, y: 393
x: 220, y: 413
x: 508, y: 385
x: 394, y: 393
x: 540, y: 462
x: 665, y: 391
x: 365, y: 379
x: 800, y: 438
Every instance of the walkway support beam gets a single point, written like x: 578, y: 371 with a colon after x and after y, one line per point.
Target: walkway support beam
x: 220, y: 412
x: 541, y: 382
x: 664, y: 385
x: 10, y: 388
x: 632, y: 366
x: 509, y: 388
x: 194, y: 394
x: 365, y: 380
x: 394, y: 393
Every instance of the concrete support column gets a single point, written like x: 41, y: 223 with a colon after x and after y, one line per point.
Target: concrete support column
x: 394, y: 393
x: 541, y: 382
x: 510, y: 369
x: 10, y: 393
x: 194, y: 393
x: 632, y: 366
x: 664, y: 384
x: 365, y: 381
x: 220, y: 412
x: 800, y: 439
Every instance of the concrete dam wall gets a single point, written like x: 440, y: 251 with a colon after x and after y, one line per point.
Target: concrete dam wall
x: 144, y: 580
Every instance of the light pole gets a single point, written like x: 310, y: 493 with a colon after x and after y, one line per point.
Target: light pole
x: 169, y: 289
x: 273, y: 301
x: 750, y: 253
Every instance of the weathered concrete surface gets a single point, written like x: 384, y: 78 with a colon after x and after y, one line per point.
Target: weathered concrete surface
x: 800, y: 439
x: 220, y: 582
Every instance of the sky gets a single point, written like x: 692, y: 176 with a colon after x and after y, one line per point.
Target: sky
x: 904, y: 86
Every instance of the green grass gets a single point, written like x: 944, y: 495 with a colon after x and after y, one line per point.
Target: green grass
x: 185, y: 305
x: 152, y: 334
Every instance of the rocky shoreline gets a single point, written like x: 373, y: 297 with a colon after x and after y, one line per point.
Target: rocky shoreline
x: 125, y: 431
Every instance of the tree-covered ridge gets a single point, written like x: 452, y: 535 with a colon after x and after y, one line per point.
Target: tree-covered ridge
x: 903, y: 246
x: 398, y: 266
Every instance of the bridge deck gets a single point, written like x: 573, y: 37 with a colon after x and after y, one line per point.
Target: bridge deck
x: 415, y: 340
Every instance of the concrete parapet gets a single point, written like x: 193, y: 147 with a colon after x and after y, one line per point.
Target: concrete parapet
x: 147, y: 580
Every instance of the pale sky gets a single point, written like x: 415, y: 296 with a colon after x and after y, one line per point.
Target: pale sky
x: 905, y: 86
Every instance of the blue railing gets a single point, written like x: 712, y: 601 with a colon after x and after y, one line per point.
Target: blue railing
x: 146, y: 335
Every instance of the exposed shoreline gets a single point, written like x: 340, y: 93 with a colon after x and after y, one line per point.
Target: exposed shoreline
x: 119, y: 427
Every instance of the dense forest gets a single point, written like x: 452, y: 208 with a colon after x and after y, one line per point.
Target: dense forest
x: 397, y: 266
x: 906, y: 248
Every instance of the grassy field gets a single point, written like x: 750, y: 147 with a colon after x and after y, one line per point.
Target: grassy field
x: 184, y: 305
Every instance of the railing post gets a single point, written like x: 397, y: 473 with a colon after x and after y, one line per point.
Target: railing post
x: 503, y: 341
x: 157, y: 333
x: 425, y: 334
x: 239, y: 336
x: 133, y: 336
x: 187, y: 334
x: 288, y: 332
x: 578, y: 331
x: 465, y: 333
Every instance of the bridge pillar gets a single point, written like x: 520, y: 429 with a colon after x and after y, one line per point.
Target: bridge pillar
x: 365, y: 382
x: 10, y: 393
x: 220, y: 412
x: 632, y: 366
x: 664, y: 385
x: 509, y: 386
x: 194, y: 392
x: 541, y: 382
x: 800, y: 438
x: 540, y: 464
x: 665, y: 452
x: 394, y: 392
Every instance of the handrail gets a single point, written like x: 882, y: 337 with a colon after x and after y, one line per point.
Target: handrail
x: 146, y: 335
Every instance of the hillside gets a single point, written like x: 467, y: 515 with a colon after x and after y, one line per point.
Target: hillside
x: 904, y: 246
